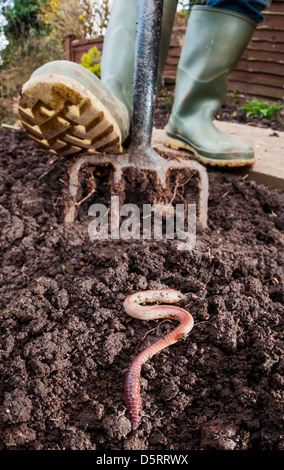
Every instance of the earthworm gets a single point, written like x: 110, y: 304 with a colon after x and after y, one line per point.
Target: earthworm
x: 134, y: 309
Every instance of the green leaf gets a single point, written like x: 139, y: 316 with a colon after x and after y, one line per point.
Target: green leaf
x: 63, y: 267
x: 255, y: 107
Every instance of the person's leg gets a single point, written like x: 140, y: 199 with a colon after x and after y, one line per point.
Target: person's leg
x: 250, y: 8
x: 117, y: 65
x: 214, y: 42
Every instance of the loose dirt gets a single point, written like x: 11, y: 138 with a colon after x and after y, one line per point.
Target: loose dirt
x: 66, y: 342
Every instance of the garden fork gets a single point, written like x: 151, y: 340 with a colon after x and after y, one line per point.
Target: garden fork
x: 140, y: 153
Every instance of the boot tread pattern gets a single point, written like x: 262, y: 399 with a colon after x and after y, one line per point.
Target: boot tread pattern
x: 68, y: 129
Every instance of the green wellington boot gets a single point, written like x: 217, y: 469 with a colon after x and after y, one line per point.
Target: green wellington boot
x: 214, y: 43
x: 68, y: 110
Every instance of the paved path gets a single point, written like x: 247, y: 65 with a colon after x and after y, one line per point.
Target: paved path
x: 269, y: 151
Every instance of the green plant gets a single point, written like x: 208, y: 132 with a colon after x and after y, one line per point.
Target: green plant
x: 91, y: 61
x: 21, y: 16
x: 234, y: 95
x: 263, y: 109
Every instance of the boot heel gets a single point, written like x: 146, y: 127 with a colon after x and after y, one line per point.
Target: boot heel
x: 176, y: 144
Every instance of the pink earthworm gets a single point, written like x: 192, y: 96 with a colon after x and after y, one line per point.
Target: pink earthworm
x: 134, y: 309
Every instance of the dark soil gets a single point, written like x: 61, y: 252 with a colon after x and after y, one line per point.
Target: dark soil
x: 66, y: 342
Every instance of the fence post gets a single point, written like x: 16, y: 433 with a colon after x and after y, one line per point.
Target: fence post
x: 68, y: 47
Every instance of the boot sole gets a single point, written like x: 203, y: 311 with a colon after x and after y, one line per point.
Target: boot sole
x: 63, y: 117
x: 176, y: 144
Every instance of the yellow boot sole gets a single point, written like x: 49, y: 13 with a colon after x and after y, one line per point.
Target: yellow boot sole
x: 63, y: 117
x: 176, y: 144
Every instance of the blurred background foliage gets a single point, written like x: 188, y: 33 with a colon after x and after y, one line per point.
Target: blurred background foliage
x: 34, y: 31
x: 79, y: 18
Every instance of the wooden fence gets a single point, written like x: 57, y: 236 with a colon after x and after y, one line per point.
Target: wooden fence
x: 260, y: 72
x: 261, y: 69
